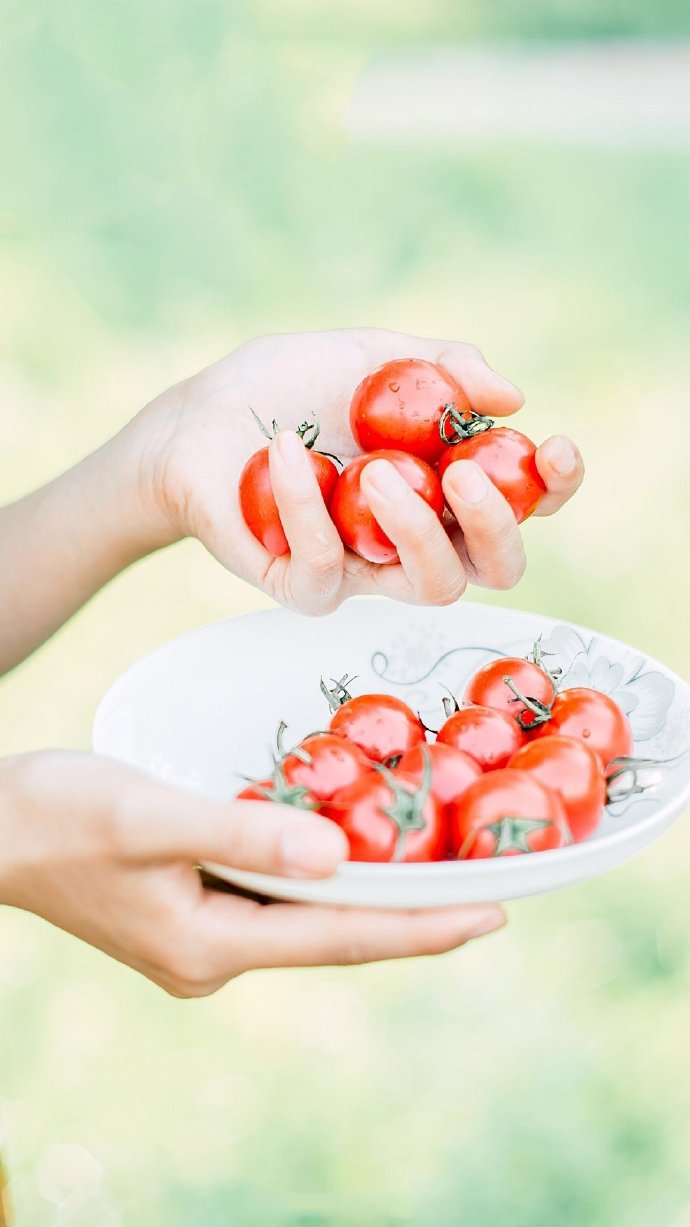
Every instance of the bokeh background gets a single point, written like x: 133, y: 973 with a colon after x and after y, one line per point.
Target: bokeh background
x: 175, y: 178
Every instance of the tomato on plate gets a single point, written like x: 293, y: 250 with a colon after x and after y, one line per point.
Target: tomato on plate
x: 572, y: 770
x: 324, y: 763
x: 380, y: 724
x: 487, y: 735
x: 507, y: 458
x: 401, y: 405
x: 451, y: 770
x: 275, y: 788
x: 489, y: 688
x: 592, y: 717
x: 352, y: 515
x: 506, y: 813
x: 257, y: 503
x: 387, y: 817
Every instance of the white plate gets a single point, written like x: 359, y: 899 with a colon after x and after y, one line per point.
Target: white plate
x: 204, y: 707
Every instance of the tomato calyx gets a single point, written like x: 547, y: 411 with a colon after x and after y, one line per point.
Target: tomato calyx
x: 308, y: 432
x: 622, y: 782
x: 283, y: 793
x: 510, y: 833
x: 456, y: 425
x: 407, y: 808
x: 541, y: 712
x: 536, y: 657
x: 296, y: 751
x: 339, y: 694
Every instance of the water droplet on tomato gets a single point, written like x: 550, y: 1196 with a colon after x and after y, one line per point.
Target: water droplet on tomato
x: 586, y: 733
x: 394, y: 387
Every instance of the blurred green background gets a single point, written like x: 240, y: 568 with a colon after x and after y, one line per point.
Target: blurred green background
x: 175, y: 178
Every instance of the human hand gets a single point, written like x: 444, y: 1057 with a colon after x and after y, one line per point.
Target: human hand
x: 109, y: 855
x: 195, y: 439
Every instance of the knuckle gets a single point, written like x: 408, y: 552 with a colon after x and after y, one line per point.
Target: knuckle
x: 326, y: 561
x: 446, y: 591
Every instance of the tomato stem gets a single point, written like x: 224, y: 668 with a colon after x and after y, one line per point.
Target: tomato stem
x: 407, y: 808
x: 511, y: 835
x: 540, y: 711
x: 463, y: 424
x: 339, y: 694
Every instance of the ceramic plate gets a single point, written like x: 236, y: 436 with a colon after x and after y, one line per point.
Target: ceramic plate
x: 203, y: 708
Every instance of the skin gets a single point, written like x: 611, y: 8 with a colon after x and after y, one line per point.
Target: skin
x: 109, y: 855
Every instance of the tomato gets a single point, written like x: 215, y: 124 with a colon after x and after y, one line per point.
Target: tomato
x: 489, y: 736
x: 592, y: 717
x: 400, y: 406
x: 451, y: 770
x: 387, y: 818
x: 352, y: 515
x: 507, y: 458
x: 278, y: 790
x: 572, y: 770
x: 333, y: 763
x: 488, y: 687
x: 257, y: 504
x: 381, y: 725
x: 505, y: 813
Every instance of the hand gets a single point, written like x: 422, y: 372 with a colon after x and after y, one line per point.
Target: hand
x: 194, y: 440
x: 109, y: 855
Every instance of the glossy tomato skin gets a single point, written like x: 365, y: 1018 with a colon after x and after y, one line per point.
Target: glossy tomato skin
x: 255, y: 791
x: 400, y: 406
x: 373, y: 835
x: 507, y: 458
x: 487, y: 688
x: 488, y: 736
x: 381, y: 725
x: 335, y: 763
x: 572, y: 770
x: 451, y: 770
x: 352, y: 515
x: 506, y: 813
x: 591, y: 717
x: 258, y: 506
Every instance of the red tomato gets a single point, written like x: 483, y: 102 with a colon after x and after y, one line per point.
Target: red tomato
x: 352, y: 515
x: 451, y: 770
x: 401, y: 404
x: 381, y: 725
x: 505, y: 813
x: 389, y: 819
x: 489, y: 736
x: 592, y: 717
x: 278, y: 790
x: 333, y: 763
x: 507, y: 458
x: 488, y: 687
x: 258, y: 506
x: 572, y: 770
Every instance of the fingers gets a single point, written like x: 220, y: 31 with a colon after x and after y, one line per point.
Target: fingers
x: 427, y: 556
x: 487, y: 391
x: 562, y: 470
x: 316, y: 551
x: 290, y: 936
x: 156, y: 822
x: 491, y: 535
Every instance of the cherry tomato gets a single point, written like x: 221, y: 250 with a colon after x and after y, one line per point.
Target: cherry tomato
x: 258, y: 506
x: 507, y: 458
x: 488, y: 687
x: 489, y: 736
x: 381, y: 725
x: 352, y: 515
x: 389, y: 819
x: 400, y: 406
x: 505, y: 813
x: 572, y: 770
x: 451, y: 770
x: 333, y: 763
x: 276, y: 789
x: 592, y: 717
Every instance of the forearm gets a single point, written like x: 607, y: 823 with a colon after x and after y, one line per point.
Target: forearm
x: 62, y: 543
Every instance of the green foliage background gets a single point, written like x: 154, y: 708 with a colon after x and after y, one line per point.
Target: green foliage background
x: 175, y: 177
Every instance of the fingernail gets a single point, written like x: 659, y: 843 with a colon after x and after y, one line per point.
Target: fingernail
x: 469, y: 481
x: 313, y: 849
x: 488, y: 921
x: 290, y: 448
x: 386, y: 480
x: 561, y: 455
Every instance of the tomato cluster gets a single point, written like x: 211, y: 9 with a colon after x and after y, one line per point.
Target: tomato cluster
x: 415, y: 415
x: 520, y: 766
